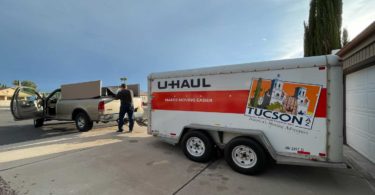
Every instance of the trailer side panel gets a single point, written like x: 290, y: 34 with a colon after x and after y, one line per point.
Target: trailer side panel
x: 288, y: 105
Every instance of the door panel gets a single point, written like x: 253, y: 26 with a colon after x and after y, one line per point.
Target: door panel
x: 26, y: 104
x: 51, y: 103
x: 360, y: 111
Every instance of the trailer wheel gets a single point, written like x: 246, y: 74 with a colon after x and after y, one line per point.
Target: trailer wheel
x: 83, y: 122
x: 197, y: 146
x: 245, y: 156
x: 38, y: 122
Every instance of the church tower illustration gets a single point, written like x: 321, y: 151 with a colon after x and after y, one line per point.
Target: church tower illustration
x: 302, y: 101
x: 277, y: 94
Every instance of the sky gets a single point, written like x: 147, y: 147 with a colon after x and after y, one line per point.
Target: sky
x: 55, y: 42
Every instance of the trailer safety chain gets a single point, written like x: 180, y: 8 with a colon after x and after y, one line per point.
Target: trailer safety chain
x: 142, y: 122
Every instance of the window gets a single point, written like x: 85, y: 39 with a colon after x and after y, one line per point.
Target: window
x: 56, y: 96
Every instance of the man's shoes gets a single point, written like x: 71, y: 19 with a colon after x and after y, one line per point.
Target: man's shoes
x: 130, y: 131
x: 119, y: 131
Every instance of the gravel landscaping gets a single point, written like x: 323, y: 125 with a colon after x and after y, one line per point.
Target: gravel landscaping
x: 5, y: 188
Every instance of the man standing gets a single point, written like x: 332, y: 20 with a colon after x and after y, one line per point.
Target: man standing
x: 126, y: 97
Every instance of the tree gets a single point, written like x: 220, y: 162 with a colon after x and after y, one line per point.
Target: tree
x: 323, y: 31
x: 3, y: 86
x: 16, y: 82
x: 25, y: 83
x: 345, y: 37
x: 30, y: 84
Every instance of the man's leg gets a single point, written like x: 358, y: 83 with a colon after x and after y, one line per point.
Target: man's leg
x: 121, y: 119
x: 130, y: 112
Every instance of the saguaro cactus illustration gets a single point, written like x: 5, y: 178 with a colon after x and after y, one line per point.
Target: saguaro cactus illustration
x: 258, y: 89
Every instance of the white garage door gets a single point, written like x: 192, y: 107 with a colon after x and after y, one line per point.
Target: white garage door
x: 360, y: 111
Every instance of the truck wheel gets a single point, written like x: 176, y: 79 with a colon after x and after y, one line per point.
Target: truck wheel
x: 83, y: 122
x: 38, y: 122
x: 197, y: 146
x: 245, y: 156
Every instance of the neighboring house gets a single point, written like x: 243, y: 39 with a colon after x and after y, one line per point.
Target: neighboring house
x: 144, y: 97
x: 6, y: 95
x: 359, y: 86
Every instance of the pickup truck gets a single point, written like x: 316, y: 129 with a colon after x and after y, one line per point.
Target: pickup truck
x: 83, y: 111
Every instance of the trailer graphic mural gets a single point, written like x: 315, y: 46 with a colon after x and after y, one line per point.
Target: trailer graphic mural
x: 283, y: 102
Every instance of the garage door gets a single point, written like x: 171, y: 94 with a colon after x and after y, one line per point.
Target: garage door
x: 360, y: 111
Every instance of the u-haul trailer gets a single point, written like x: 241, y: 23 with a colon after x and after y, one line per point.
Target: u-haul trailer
x: 289, y: 111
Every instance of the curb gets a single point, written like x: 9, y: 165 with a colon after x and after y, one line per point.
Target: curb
x: 364, y: 167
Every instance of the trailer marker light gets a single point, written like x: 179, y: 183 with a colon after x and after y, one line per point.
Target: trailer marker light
x: 303, y: 152
x: 322, y: 154
x: 173, y: 134
x: 322, y: 68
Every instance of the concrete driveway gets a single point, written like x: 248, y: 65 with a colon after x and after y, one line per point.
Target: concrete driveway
x: 104, y: 162
x: 19, y: 131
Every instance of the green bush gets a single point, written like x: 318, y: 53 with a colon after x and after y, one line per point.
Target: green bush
x: 275, y: 106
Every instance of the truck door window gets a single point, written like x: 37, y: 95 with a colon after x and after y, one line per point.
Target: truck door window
x: 28, y: 98
x: 55, y: 97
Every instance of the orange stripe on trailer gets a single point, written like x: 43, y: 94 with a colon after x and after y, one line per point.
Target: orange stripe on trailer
x: 203, y: 101
x: 230, y: 101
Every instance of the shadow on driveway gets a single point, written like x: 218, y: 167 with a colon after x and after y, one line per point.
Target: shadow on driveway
x: 21, y: 133
x: 26, y: 132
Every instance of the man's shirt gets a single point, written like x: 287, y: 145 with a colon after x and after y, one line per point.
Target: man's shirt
x: 126, y: 96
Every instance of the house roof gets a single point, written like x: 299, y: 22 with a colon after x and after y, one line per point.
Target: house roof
x: 370, y: 30
x: 8, y: 92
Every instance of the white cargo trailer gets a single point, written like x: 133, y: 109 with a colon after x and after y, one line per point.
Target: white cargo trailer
x: 289, y: 111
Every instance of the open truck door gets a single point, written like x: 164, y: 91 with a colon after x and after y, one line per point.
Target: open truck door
x: 26, y: 104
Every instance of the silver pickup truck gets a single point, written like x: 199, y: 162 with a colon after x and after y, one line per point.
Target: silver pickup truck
x: 28, y: 104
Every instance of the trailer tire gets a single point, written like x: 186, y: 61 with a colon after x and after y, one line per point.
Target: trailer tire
x: 197, y: 146
x: 83, y: 122
x: 245, y: 156
x: 38, y: 122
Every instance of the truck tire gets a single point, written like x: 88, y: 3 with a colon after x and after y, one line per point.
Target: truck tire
x: 83, y: 122
x: 38, y: 122
x: 245, y: 156
x: 197, y: 146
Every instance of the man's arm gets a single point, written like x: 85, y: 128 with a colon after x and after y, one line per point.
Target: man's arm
x: 131, y: 94
x: 118, y: 95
